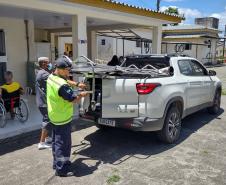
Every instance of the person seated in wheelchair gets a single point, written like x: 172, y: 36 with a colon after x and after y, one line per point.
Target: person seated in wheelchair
x: 10, y: 93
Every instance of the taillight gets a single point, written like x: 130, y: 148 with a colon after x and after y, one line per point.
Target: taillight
x: 146, y: 88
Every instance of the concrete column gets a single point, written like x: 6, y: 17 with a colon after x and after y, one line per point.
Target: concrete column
x: 92, y: 45
x: 156, y: 39
x: 79, y: 35
x: 52, y: 40
x: 31, y: 35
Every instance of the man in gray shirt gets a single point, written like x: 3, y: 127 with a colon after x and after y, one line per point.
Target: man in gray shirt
x: 41, y: 79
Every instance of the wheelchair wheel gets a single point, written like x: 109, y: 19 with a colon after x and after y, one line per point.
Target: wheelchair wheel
x: 22, y: 112
x: 2, y: 116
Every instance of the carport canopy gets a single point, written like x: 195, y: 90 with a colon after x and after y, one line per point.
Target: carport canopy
x: 126, y: 34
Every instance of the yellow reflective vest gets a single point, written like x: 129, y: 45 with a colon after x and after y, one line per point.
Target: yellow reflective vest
x: 60, y: 111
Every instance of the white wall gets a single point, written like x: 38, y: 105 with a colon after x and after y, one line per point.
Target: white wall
x: 16, y: 46
x: 202, y: 50
x: 105, y: 52
x: 41, y: 35
x: 220, y: 51
x: 43, y: 49
x: 115, y: 46
x: 61, y: 44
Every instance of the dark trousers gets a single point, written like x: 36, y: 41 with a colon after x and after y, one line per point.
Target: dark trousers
x: 61, y: 147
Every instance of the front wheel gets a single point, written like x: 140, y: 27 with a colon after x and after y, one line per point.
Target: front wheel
x: 172, y: 126
x: 216, y: 103
x: 22, y: 112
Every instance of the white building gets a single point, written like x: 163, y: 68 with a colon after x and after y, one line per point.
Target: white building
x: 194, y: 40
x: 30, y: 28
x: 221, y: 50
x: 112, y: 42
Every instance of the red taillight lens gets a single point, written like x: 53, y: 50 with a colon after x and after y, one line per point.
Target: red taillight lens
x: 146, y: 88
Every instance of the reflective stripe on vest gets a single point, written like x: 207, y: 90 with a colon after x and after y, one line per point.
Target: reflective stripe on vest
x: 63, y: 159
x: 60, y: 111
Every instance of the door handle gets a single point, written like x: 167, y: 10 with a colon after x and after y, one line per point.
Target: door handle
x: 198, y: 83
x: 207, y: 83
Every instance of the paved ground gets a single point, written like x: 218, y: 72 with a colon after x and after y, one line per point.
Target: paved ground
x: 14, y: 127
x: 129, y: 158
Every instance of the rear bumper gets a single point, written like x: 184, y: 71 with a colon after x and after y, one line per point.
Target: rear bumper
x: 136, y: 124
x: 147, y: 124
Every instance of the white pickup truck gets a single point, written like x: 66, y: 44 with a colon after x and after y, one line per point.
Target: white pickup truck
x: 150, y: 93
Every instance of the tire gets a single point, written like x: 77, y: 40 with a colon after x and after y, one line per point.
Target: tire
x: 2, y: 116
x: 22, y: 112
x: 172, y: 126
x: 216, y: 103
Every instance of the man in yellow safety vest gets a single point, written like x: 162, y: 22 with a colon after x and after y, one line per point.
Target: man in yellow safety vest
x: 60, y: 100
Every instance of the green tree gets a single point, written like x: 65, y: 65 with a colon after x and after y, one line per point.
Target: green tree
x: 174, y: 11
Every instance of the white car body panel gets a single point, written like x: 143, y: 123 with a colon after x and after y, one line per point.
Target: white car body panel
x: 121, y: 100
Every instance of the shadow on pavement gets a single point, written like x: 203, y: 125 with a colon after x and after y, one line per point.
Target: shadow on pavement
x: 18, y: 142
x: 25, y: 140
x: 115, y: 146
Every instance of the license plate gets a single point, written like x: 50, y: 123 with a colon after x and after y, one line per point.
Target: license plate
x: 106, y: 122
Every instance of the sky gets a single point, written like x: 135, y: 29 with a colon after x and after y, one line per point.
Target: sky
x: 190, y: 8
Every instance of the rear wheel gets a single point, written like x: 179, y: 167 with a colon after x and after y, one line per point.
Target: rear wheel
x: 216, y: 103
x: 2, y: 116
x: 172, y: 126
x: 22, y: 111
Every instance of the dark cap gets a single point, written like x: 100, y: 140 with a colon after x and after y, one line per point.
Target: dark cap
x: 63, y: 63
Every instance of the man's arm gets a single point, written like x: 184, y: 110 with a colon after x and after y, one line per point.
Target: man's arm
x: 67, y: 93
x: 76, y: 84
x: 80, y: 96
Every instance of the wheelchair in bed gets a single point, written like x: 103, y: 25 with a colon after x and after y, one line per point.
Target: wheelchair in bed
x: 15, y: 105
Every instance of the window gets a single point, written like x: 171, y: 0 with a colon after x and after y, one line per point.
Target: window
x: 198, y: 69
x: 185, y: 67
x: 138, y: 44
x: 103, y: 42
x: 191, y: 68
x: 2, y: 43
x: 140, y: 62
x: 188, y: 47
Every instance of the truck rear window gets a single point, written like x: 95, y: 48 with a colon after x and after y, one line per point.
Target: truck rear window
x: 158, y: 63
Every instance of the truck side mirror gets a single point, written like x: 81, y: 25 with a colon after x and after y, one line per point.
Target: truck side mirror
x: 212, y: 73
x: 171, y: 71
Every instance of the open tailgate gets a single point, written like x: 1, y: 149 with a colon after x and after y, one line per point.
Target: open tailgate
x: 119, y: 98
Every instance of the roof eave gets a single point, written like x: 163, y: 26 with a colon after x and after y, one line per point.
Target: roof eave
x: 191, y: 30
x: 125, y: 8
